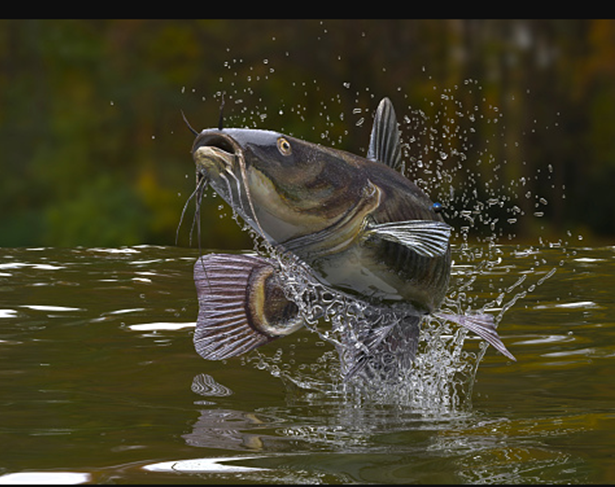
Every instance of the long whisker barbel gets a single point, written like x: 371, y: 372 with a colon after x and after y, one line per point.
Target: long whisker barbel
x: 200, y: 193
x: 188, y: 123
x: 221, y: 116
x: 202, y: 184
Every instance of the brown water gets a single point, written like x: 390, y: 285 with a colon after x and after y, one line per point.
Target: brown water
x: 101, y: 383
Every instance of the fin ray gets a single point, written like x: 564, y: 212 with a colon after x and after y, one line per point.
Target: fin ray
x: 429, y: 238
x: 483, y: 325
x: 384, y: 143
x: 223, y: 329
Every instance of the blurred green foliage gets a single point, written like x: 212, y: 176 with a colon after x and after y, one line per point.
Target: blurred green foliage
x: 95, y: 152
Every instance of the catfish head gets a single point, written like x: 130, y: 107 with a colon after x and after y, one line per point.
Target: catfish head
x: 282, y: 186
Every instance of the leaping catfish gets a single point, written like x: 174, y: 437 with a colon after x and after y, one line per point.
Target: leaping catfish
x: 361, y: 227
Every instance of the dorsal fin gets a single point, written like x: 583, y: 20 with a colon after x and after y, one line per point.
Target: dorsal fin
x: 384, y: 143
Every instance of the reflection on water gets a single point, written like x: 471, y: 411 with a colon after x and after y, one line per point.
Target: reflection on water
x: 206, y: 385
x: 101, y: 382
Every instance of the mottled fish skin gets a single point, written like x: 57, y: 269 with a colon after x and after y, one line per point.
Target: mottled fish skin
x: 373, y: 268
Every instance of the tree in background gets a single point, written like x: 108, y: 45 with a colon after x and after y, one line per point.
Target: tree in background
x: 95, y: 151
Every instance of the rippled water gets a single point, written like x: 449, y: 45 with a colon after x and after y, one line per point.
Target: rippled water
x: 101, y: 382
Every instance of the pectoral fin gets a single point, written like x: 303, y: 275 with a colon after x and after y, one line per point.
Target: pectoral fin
x: 483, y: 325
x: 241, y: 305
x: 429, y: 238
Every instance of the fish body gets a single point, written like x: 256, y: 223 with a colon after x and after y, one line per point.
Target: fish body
x: 357, y: 255
x: 361, y: 226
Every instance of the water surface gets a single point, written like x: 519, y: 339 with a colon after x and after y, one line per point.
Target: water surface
x: 101, y: 382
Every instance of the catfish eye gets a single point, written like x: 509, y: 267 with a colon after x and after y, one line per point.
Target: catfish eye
x: 284, y: 146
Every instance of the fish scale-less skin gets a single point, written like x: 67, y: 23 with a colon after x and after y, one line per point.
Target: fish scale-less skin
x: 425, y: 280
x: 422, y: 281
x: 426, y: 277
x: 317, y: 204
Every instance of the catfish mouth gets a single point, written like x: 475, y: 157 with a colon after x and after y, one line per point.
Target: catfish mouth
x: 215, y: 138
x: 214, y: 152
x: 220, y: 162
x: 215, y: 142
x: 215, y: 155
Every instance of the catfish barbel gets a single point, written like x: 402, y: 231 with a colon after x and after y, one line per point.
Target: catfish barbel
x: 360, y: 225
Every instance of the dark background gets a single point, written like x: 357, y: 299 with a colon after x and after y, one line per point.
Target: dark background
x: 94, y: 150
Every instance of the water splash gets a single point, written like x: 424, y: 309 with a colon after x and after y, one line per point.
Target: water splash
x: 447, y: 147
x: 437, y: 381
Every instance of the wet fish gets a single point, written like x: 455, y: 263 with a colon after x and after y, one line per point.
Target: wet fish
x: 242, y: 305
x: 362, y: 228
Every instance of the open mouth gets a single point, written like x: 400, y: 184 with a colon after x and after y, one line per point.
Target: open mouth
x: 214, y: 153
x: 217, y: 141
x: 220, y: 163
x: 218, y: 159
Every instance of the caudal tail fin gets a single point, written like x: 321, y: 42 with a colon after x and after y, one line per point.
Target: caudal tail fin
x: 241, y: 305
